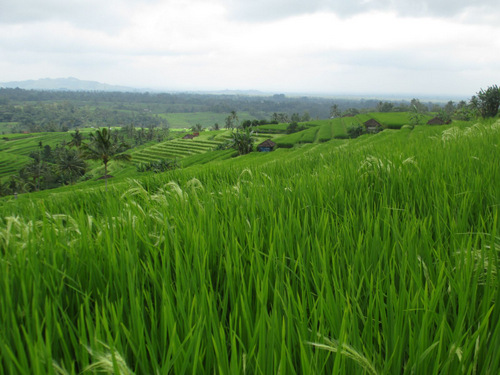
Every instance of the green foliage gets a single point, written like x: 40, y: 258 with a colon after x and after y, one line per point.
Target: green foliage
x: 444, y: 116
x: 489, y: 101
x: 232, y: 121
x: 416, y: 115
x: 70, y: 166
x: 355, y: 131
x: 104, y: 146
x: 76, y: 139
x: 304, y: 136
x: 242, y: 141
x: 158, y: 166
x: 294, y: 127
x: 197, y: 128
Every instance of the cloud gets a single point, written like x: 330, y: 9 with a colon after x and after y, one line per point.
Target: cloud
x: 278, y: 45
x: 108, y: 15
x: 265, y: 10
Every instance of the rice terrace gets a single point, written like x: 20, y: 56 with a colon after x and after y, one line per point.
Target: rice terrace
x: 232, y: 234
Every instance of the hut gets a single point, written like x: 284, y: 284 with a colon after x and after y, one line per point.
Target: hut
x: 437, y: 121
x: 266, y: 146
x: 191, y: 136
x: 372, y: 126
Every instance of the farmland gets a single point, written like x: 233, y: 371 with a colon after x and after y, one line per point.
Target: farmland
x: 374, y: 255
x: 206, y: 119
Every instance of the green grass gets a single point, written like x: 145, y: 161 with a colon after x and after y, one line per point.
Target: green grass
x: 304, y: 136
x: 377, y: 255
x: 177, y: 148
x: 15, y: 149
x: 334, y: 128
x: 395, y: 120
x: 206, y: 119
x: 272, y: 128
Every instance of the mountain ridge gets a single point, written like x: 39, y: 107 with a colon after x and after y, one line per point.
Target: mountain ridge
x: 65, y: 84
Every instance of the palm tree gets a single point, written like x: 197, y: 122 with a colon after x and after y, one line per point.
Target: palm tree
x: 103, y: 147
x: 76, y: 139
x: 243, y: 141
x: 70, y: 165
x: 34, y: 170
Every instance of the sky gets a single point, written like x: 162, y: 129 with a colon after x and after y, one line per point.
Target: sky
x: 411, y: 47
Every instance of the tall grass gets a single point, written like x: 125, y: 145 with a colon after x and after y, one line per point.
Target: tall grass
x: 376, y: 256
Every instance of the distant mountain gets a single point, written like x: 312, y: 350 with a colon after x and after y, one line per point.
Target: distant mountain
x: 233, y: 92
x: 65, y: 84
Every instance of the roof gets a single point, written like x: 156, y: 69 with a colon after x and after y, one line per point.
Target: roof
x: 435, y: 121
x: 372, y: 122
x: 267, y: 143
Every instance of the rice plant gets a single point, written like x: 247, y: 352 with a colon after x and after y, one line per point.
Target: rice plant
x: 377, y: 255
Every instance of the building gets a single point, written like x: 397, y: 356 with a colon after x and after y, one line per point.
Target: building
x: 266, y: 146
x: 191, y: 136
x: 437, y: 121
x: 373, y: 126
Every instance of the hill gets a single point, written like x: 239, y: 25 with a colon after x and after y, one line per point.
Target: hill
x: 65, y: 84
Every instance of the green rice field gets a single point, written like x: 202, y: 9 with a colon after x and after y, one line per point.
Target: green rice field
x: 376, y: 255
x: 206, y: 119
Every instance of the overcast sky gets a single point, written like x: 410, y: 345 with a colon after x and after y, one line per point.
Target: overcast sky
x: 412, y: 47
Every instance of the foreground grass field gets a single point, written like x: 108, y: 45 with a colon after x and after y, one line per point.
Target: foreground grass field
x: 377, y: 255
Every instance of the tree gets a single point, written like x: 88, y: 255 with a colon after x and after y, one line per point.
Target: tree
x: 417, y: 111
x: 76, y: 139
x: 282, y: 118
x: 355, y: 131
x: 444, y: 116
x: 449, y: 108
x: 351, y: 112
x: 33, y: 170
x: 103, y: 147
x: 385, y: 107
x: 232, y: 120
x: 295, y: 117
x: 334, y: 111
x: 415, y: 103
x: 197, y: 128
x: 243, y: 141
x: 488, y: 101
x: 70, y: 166
x: 246, y: 124
x: 292, y: 128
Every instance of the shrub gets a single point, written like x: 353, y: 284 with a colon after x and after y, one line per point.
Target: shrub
x: 489, y: 101
x: 355, y: 131
x: 158, y: 166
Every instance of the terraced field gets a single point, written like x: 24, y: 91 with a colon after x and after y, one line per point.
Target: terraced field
x: 15, y: 149
x: 10, y: 164
x: 177, y: 148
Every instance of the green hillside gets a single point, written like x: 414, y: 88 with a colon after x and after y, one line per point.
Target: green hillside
x: 374, y: 255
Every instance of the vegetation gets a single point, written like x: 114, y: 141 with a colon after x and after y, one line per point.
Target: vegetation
x: 326, y: 259
x: 488, y: 101
x: 104, y: 148
x: 243, y: 141
x: 355, y: 131
x: 372, y: 255
x: 158, y: 166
